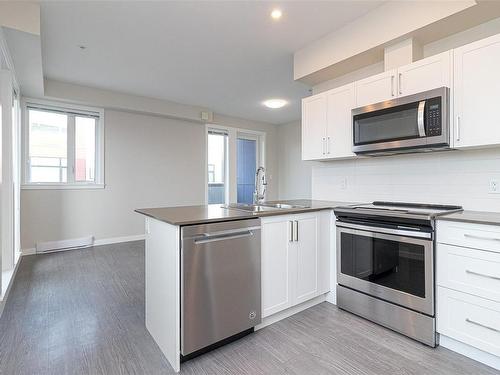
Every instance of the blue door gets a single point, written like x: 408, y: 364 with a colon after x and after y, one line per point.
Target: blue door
x: 246, y: 167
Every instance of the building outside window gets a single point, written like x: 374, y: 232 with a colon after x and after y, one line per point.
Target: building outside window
x: 64, y: 146
x: 217, y: 166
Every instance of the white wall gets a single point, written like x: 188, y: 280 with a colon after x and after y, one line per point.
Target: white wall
x: 150, y: 161
x: 295, y: 174
x: 378, y: 27
x: 468, y: 36
x: 91, y: 96
x: 357, y: 75
x: 7, y: 171
x: 454, y: 177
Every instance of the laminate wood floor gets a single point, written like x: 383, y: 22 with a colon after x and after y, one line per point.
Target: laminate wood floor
x: 82, y: 312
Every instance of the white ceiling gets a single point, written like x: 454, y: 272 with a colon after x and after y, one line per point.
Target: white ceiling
x: 227, y: 56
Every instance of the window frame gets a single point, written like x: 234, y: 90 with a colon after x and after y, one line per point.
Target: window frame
x: 48, y: 105
x: 231, y: 154
x: 222, y: 132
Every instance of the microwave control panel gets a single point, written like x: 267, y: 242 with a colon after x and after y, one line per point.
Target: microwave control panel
x: 433, y: 123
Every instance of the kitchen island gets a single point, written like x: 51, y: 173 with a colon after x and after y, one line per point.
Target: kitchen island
x: 295, y: 260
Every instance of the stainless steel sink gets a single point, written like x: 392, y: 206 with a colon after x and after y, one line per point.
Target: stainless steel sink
x: 248, y: 207
x: 263, y: 207
x: 283, y: 206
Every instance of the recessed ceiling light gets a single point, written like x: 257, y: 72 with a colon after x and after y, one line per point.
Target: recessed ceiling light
x: 275, y: 103
x: 276, y: 14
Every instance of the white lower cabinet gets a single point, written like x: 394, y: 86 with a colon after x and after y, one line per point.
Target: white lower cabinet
x: 472, y: 271
x: 306, y: 249
x: 468, y: 285
x: 472, y: 320
x: 294, y: 253
x: 275, y: 271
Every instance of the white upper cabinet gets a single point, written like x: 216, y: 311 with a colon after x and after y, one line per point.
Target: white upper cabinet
x: 471, y: 72
x: 326, y: 124
x: 377, y: 88
x: 422, y: 75
x: 314, y: 127
x: 340, y: 102
x: 477, y: 93
x: 426, y: 74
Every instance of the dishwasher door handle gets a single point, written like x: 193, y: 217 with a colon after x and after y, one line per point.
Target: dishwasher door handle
x: 222, y: 237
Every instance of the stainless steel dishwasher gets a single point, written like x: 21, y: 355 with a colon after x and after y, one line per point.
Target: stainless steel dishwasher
x: 220, y: 283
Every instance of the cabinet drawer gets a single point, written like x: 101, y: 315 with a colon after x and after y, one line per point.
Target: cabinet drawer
x: 477, y: 236
x: 468, y: 270
x: 472, y: 320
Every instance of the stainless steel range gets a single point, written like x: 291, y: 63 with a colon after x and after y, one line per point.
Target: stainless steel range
x: 385, y: 265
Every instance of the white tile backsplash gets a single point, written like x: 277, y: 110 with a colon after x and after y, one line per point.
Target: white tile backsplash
x: 452, y: 177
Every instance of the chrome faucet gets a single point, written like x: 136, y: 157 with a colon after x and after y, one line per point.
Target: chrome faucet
x: 259, y: 193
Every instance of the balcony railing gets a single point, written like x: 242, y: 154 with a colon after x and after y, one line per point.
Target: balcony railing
x: 216, y: 193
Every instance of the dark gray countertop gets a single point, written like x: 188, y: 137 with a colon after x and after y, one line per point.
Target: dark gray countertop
x: 188, y: 215
x: 478, y: 217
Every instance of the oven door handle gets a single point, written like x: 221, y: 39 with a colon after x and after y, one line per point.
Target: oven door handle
x: 397, y: 232
x: 420, y: 118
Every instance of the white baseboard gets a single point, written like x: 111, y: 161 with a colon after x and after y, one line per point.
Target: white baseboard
x: 73, y: 243
x: 469, y: 351
x: 109, y: 241
x: 291, y: 311
x: 29, y: 251
x: 332, y: 296
x: 99, y: 242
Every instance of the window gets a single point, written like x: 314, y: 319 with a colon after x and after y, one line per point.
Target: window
x: 233, y: 156
x: 217, y: 166
x: 63, y: 146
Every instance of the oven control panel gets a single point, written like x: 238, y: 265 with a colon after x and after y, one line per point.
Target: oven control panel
x: 433, y: 117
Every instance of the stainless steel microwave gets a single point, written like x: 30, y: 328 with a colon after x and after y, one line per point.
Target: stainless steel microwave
x: 414, y: 123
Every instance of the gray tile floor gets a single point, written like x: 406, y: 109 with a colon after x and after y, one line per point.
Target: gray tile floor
x: 82, y: 312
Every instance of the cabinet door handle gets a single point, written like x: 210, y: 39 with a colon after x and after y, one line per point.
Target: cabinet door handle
x: 323, y: 145
x: 458, y: 128
x: 481, y: 325
x: 290, y: 225
x: 400, y: 85
x: 296, y: 231
x: 481, y: 237
x: 392, y: 85
x: 482, y: 274
x: 328, y: 145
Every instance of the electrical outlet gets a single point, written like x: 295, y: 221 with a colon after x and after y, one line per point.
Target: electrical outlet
x: 343, y: 183
x: 494, y: 187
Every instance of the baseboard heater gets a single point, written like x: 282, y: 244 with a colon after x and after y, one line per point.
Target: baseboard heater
x: 63, y: 245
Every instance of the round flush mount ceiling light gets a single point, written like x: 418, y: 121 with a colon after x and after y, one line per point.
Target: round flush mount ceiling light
x: 276, y: 14
x: 275, y: 103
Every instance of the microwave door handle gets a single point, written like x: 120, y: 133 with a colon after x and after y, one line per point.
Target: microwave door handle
x: 420, y: 118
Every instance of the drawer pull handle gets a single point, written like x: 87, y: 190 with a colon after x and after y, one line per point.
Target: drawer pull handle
x: 481, y: 238
x: 482, y: 274
x: 481, y: 325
